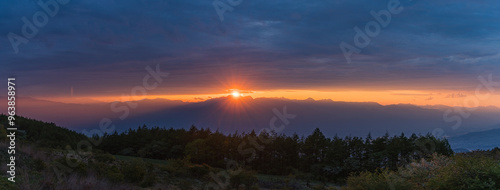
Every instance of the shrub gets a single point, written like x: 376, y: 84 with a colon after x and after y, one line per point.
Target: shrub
x: 134, y: 171
x: 6, y: 184
x: 420, y: 172
x: 114, y: 175
x: 176, y: 167
x: 73, y: 164
x: 105, y: 158
x: 39, y: 164
x: 149, y: 178
x: 466, y: 172
x: 470, y: 171
x: 378, y: 180
x: 246, y: 178
x: 199, y: 171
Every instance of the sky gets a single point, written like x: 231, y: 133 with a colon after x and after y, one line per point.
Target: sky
x: 428, y: 53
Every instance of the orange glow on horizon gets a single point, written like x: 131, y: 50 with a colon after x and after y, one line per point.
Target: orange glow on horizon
x: 382, y: 97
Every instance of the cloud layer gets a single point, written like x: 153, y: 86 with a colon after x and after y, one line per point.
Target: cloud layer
x: 102, y: 47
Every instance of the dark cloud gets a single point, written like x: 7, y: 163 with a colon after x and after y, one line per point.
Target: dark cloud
x: 102, y: 47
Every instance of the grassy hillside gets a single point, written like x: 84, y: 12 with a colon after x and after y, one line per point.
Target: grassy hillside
x: 474, y: 170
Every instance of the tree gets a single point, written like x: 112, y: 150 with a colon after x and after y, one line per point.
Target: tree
x: 198, y: 151
x: 315, y: 147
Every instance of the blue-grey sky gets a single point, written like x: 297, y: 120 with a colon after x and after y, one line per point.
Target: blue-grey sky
x: 102, y: 47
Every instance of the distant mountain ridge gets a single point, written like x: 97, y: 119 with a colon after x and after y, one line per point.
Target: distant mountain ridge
x: 246, y: 113
x: 483, y: 140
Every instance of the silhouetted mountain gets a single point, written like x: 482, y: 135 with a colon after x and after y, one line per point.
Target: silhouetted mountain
x: 342, y: 118
x: 245, y: 114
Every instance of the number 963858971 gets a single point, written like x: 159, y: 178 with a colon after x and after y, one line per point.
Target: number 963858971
x: 11, y: 96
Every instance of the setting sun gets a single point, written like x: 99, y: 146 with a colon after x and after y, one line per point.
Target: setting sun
x: 236, y: 94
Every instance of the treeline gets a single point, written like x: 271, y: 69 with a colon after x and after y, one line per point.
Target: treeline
x: 269, y: 153
x: 43, y: 134
x: 320, y: 157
